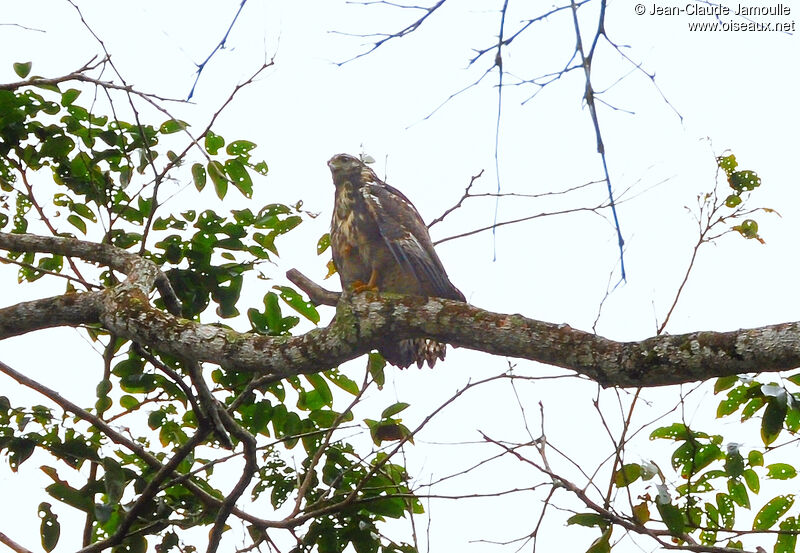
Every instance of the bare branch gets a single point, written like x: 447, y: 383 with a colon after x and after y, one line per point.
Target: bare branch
x: 520, y: 220
x: 34, y: 268
x: 250, y: 467
x: 466, y: 195
x: 220, y: 45
x: 316, y: 293
x: 527, y: 23
x: 364, y: 321
x: 611, y: 516
x: 401, y: 33
x: 14, y: 546
x: 80, y: 76
x: 589, y: 97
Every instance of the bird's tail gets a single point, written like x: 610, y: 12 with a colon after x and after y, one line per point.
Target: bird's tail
x: 417, y: 350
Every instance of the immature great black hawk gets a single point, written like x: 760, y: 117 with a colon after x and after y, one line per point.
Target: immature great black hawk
x: 380, y: 242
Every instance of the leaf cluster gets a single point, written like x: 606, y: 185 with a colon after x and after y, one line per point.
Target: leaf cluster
x: 720, y: 481
x: 81, y: 173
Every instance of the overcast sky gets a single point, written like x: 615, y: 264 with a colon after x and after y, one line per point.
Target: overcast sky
x: 716, y: 91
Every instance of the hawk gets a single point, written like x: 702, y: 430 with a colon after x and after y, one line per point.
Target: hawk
x: 379, y: 242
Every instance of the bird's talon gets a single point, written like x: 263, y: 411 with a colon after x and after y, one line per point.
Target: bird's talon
x: 360, y: 286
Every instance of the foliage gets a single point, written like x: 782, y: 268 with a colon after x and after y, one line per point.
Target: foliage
x: 331, y: 491
x: 107, y: 180
x: 722, y: 480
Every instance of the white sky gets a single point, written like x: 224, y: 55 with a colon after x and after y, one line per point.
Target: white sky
x: 735, y: 91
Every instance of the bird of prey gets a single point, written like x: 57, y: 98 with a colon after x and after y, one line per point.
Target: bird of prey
x: 379, y: 242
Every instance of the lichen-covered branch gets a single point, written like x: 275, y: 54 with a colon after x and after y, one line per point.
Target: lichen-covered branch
x: 363, y: 321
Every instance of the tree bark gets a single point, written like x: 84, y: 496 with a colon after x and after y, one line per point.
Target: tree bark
x: 364, y: 320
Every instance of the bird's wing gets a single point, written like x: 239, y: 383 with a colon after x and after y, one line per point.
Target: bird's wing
x: 407, y: 237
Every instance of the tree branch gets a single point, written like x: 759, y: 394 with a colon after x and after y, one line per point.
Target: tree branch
x: 316, y: 293
x: 14, y: 546
x: 364, y: 321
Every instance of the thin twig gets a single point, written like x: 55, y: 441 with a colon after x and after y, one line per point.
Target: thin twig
x: 14, y: 546
x: 389, y: 36
x: 220, y: 45
x: 466, y: 195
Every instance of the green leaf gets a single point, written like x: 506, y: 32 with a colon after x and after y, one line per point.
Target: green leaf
x: 393, y: 507
x: 792, y: 420
x: 712, y: 515
x: 125, y: 174
x: 133, y: 544
x: 672, y: 518
x: 273, y: 311
x: 602, y: 544
x: 296, y: 302
x: 261, y: 168
x: 240, y: 148
x: 787, y: 541
x: 213, y: 143
x: 627, y: 475
x: 727, y: 511
x: 734, y: 399
x: 755, y: 458
x: 69, y: 96
x: 772, y: 511
x: 239, y: 177
x: 84, y: 211
x: 781, y: 471
x: 323, y: 243
x: 72, y: 497
x: 138, y: 383
x: 693, y: 457
x: 172, y: 126
x: 103, y: 404
x: 128, y: 402
x: 772, y: 422
x: 156, y: 419
x: 57, y: 147
x: 20, y: 449
x: 753, y: 406
x: 343, y: 382
x: 738, y: 493
x: 744, y: 180
x: 733, y: 200
x: 217, y: 173
x: 199, y: 176
x: 77, y: 222
x: 641, y: 512
x: 748, y: 229
x: 724, y: 382
x: 394, y: 409
x: 22, y: 70
x: 752, y: 481
x: 103, y: 387
x: 50, y: 528
x: 113, y: 479
x: 321, y: 387
x: 325, y: 418
x: 675, y: 431
x: 588, y: 519
x: 727, y: 163
x: 375, y: 364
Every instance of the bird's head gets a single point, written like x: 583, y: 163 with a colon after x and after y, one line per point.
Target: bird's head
x: 347, y: 168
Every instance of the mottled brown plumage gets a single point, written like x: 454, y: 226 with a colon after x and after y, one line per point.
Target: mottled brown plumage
x: 380, y: 242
